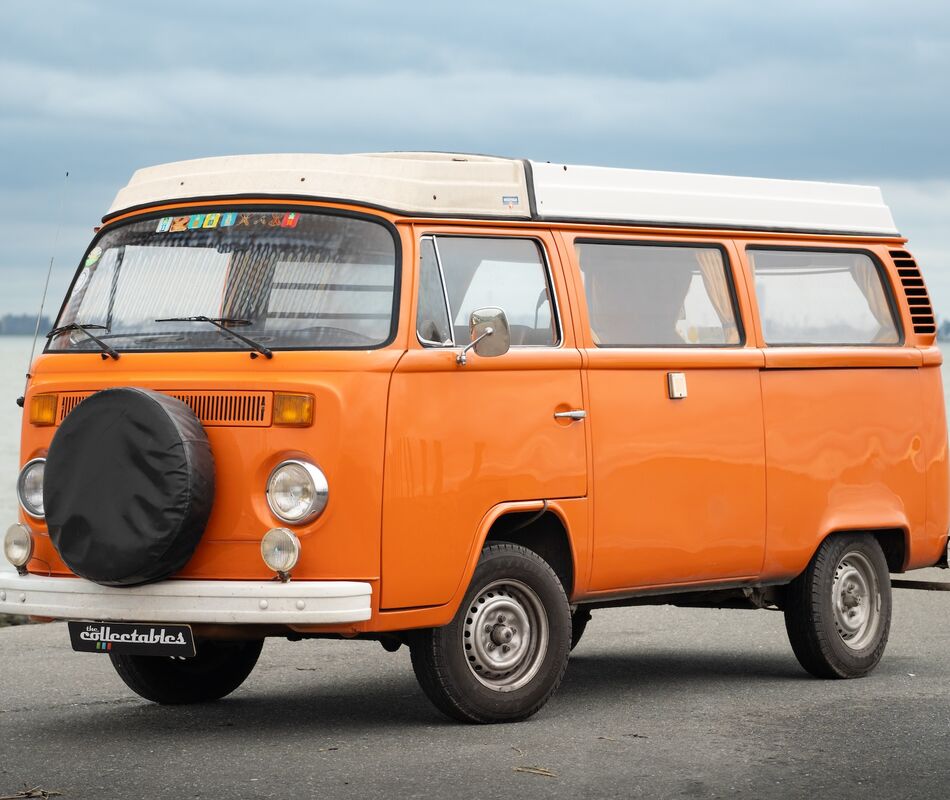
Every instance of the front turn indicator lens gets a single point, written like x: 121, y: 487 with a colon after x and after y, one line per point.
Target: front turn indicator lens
x: 293, y: 410
x: 297, y: 491
x: 29, y: 487
x: 43, y: 409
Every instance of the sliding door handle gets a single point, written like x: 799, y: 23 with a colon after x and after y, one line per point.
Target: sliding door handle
x: 574, y: 413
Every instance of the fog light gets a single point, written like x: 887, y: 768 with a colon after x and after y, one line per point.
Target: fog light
x: 280, y: 550
x: 297, y: 491
x: 18, y: 545
x: 29, y: 487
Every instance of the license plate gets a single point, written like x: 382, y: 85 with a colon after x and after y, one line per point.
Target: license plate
x: 132, y: 638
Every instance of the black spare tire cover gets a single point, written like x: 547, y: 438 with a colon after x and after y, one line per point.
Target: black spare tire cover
x: 129, y: 486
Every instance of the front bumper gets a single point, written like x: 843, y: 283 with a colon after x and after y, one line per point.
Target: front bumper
x: 222, y: 602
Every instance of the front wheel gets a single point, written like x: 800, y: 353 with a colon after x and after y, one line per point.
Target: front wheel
x: 504, y: 654
x: 838, y: 612
x: 217, y: 669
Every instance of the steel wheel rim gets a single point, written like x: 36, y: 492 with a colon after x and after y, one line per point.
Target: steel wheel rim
x: 505, y: 635
x: 856, y: 600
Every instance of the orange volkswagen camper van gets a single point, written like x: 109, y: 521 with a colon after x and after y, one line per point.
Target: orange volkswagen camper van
x: 459, y: 402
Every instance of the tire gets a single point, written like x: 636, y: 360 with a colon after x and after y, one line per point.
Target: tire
x: 217, y: 670
x: 579, y: 620
x: 504, y: 670
x: 838, y: 611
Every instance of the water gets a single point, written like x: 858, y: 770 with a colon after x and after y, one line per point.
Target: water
x: 14, y: 353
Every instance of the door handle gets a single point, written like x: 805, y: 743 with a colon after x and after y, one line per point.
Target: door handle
x: 574, y: 413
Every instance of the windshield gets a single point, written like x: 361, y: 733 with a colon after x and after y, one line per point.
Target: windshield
x: 285, y: 279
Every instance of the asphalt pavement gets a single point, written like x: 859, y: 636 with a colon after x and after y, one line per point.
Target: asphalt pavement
x: 657, y: 702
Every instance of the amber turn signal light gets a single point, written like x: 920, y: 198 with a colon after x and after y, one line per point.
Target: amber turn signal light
x: 293, y: 410
x: 43, y: 409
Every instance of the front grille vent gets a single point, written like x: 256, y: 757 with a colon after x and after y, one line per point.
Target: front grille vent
x: 228, y: 408
x: 921, y: 311
x: 67, y: 402
x: 233, y: 409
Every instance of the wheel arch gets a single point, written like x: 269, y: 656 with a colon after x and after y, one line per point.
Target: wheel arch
x: 572, y: 534
x: 543, y: 532
x: 542, y: 526
x: 894, y: 541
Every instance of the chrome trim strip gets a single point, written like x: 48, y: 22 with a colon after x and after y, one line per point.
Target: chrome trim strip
x: 321, y: 488
x: 19, y: 486
x: 445, y: 291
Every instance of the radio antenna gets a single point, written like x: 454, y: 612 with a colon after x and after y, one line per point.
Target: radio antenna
x: 49, y: 273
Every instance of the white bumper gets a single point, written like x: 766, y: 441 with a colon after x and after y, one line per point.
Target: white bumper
x: 224, y: 602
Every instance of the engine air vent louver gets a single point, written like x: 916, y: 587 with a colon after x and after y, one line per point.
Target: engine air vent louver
x: 234, y: 409
x: 912, y: 282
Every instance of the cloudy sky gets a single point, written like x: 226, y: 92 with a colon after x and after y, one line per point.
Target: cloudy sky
x: 850, y: 91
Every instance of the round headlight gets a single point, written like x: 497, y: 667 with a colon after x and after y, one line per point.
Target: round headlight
x: 18, y: 545
x: 29, y: 487
x: 280, y: 550
x: 297, y: 491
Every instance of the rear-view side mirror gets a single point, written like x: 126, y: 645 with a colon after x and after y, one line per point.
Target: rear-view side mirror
x: 490, y: 334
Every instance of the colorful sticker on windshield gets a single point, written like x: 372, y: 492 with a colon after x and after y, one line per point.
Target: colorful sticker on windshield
x: 94, y: 255
x: 228, y: 219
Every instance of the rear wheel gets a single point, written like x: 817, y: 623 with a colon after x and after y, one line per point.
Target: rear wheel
x: 504, y: 654
x: 838, y: 612
x: 217, y: 669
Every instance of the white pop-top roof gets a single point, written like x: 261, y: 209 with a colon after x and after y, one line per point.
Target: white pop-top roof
x: 446, y: 184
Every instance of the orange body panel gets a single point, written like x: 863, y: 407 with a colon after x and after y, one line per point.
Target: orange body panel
x: 346, y: 441
x: 679, y: 487
x: 772, y: 449
x: 463, y: 439
x: 929, y: 544
x: 837, y: 461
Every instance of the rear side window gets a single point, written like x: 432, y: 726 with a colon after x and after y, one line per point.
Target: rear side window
x: 811, y: 297
x: 469, y: 273
x: 657, y: 296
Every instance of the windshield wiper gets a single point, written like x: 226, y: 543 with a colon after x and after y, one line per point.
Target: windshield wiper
x: 222, y: 324
x: 107, y: 351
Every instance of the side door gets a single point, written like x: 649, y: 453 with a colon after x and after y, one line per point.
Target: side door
x: 675, y: 412
x: 463, y: 438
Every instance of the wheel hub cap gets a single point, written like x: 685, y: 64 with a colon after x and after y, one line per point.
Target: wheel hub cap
x: 856, y: 600
x: 505, y: 635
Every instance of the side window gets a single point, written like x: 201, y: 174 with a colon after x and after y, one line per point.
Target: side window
x: 811, y: 297
x: 479, y: 272
x: 653, y: 295
x: 432, y: 320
